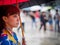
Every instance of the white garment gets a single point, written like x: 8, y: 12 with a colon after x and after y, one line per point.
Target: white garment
x: 22, y: 15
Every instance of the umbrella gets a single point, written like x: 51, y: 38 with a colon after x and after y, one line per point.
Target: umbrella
x: 10, y: 2
x: 57, y: 7
x: 35, y: 8
x: 34, y: 2
x: 28, y: 8
x: 45, y: 8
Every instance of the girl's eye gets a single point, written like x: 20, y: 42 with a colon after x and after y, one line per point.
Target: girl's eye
x: 15, y: 16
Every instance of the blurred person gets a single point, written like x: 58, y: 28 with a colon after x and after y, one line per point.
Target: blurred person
x: 37, y: 18
x: 23, y: 15
x: 9, y: 18
x: 43, y: 20
x: 50, y: 20
x: 56, y: 19
x: 33, y: 18
x: 59, y: 21
x: 59, y: 24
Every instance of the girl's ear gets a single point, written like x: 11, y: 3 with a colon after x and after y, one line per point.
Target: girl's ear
x: 4, y: 18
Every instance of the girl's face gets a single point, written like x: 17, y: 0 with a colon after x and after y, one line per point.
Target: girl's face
x: 12, y: 20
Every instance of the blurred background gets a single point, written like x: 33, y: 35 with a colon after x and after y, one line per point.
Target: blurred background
x: 40, y: 21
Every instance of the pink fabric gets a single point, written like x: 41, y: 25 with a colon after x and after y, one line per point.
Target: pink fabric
x: 37, y: 14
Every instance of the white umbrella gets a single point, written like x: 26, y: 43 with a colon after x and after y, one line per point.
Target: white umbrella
x: 45, y: 8
x: 35, y: 8
x: 27, y: 9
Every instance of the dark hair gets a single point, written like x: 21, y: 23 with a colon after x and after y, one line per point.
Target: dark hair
x: 4, y: 11
x: 49, y: 9
x: 43, y: 12
x: 56, y: 10
x: 35, y: 11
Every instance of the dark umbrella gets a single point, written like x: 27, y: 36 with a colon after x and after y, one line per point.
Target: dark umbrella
x: 34, y: 2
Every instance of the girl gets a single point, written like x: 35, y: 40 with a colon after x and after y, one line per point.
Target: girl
x: 9, y: 18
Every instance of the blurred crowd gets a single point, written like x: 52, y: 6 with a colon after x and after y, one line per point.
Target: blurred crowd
x: 40, y: 19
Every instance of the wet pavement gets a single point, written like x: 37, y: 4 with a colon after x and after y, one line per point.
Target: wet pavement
x: 42, y: 38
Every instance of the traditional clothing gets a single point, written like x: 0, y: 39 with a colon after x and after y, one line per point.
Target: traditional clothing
x: 7, y: 38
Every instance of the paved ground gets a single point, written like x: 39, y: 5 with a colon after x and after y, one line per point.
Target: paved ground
x: 42, y: 38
